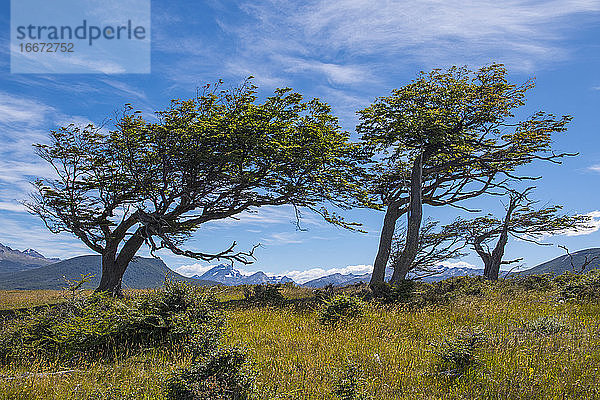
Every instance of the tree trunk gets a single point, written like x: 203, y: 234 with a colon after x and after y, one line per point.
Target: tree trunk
x: 492, y: 266
x: 493, y: 271
x: 414, y: 217
x: 392, y: 214
x: 114, y: 266
x: 112, y: 275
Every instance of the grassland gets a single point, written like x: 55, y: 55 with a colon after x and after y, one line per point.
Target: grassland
x: 531, y: 346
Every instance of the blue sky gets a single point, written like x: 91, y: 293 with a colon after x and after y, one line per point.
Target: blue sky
x: 347, y: 53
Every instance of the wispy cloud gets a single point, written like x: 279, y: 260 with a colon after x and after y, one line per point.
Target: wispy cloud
x: 594, y: 168
x: 593, y: 225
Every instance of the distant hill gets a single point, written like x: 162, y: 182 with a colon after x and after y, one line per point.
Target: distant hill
x: 140, y: 274
x: 12, y: 260
x: 562, y: 264
x: 227, y: 275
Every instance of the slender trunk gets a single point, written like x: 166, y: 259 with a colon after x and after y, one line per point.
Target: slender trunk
x: 496, y: 257
x: 414, y: 217
x: 114, y: 266
x: 385, y: 243
x: 492, y: 266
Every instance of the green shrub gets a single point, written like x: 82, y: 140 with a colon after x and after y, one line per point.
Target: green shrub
x: 546, y: 325
x: 100, y: 326
x: 581, y: 287
x: 404, y: 292
x: 456, y: 287
x: 325, y: 294
x: 219, y: 376
x: 540, y: 283
x: 456, y: 356
x: 350, y: 384
x: 340, y: 308
x: 264, y: 294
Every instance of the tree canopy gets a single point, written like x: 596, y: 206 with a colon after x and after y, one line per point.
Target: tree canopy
x: 204, y: 159
x: 445, y: 137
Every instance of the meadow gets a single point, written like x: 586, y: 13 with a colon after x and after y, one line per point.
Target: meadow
x: 473, y: 340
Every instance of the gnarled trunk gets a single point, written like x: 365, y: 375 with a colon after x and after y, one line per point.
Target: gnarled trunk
x: 414, y: 217
x: 392, y: 213
x: 114, y: 266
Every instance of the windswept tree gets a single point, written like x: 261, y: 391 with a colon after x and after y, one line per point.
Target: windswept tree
x: 445, y: 137
x: 436, y: 245
x: 205, y: 159
x: 522, y: 221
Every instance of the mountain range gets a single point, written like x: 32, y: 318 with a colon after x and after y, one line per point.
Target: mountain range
x: 227, y: 275
x: 29, y: 269
x: 141, y: 273
x: 12, y: 260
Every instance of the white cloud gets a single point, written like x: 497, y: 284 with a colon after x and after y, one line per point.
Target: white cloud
x: 350, y: 41
x: 314, y: 273
x: 593, y: 225
x: 19, y: 110
x: 594, y: 168
x: 193, y: 269
x: 458, y: 264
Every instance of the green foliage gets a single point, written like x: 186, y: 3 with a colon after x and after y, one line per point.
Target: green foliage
x: 456, y: 356
x: 403, y: 292
x: 219, y: 376
x: 350, y: 384
x: 325, y: 293
x: 340, y: 308
x: 546, y: 325
x: 74, y: 287
x: 534, y: 282
x: 580, y: 287
x: 264, y: 294
x: 99, y: 326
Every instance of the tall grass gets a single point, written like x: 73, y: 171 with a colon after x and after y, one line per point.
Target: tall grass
x: 533, y: 345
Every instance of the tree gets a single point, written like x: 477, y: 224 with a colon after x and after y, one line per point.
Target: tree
x: 435, y: 247
x: 205, y: 159
x: 521, y: 221
x: 445, y: 137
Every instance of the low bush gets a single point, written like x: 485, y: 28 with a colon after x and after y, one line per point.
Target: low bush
x: 540, y: 283
x: 219, y: 376
x: 100, y: 326
x: 340, y: 308
x: 581, y: 287
x: 264, y: 294
x: 349, y: 385
x: 546, y: 325
x: 457, y: 355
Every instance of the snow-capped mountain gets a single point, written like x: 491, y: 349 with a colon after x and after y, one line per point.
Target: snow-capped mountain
x: 337, y: 280
x: 12, y: 260
x: 350, y: 279
x: 227, y: 275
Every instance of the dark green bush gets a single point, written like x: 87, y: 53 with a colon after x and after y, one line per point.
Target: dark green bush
x: 349, y: 385
x: 457, y: 355
x: 340, y: 308
x: 404, y: 292
x: 100, y: 326
x: 540, y: 283
x: 264, y: 294
x: 325, y: 294
x: 219, y: 376
x: 580, y: 287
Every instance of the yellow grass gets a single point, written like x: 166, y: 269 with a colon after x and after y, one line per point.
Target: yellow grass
x: 295, y: 357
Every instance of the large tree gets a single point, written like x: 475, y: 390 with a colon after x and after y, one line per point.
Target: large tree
x: 445, y: 137
x: 522, y: 221
x: 208, y: 158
